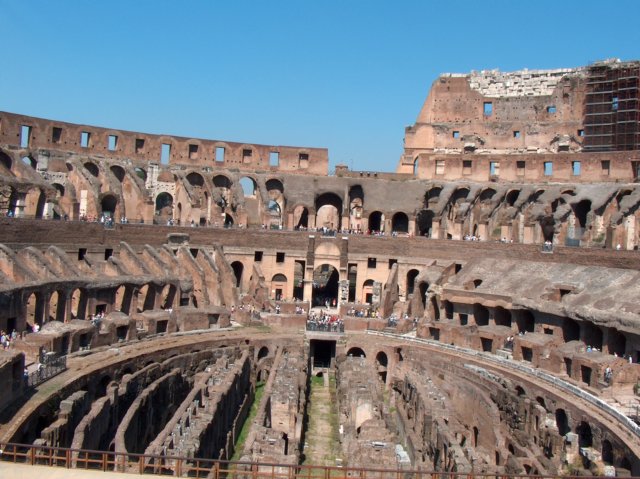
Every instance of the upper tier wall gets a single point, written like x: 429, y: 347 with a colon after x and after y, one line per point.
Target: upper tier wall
x: 22, y: 131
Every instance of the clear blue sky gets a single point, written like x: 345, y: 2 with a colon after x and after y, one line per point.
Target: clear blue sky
x: 348, y: 75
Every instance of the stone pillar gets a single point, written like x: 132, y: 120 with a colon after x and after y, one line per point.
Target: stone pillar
x: 68, y: 306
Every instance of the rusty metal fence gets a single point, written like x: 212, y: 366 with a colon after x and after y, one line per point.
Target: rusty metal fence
x: 109, y: 461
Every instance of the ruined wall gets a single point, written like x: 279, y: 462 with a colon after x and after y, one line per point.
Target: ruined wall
x: 143, y: 147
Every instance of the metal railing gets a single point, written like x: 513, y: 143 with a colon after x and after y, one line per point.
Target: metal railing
x: 46, y: 371
x: 334, y: 327
x: 565, y: 386
x: 109, y: 461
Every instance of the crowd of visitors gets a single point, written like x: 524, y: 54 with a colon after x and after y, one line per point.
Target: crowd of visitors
x: 324, y: 322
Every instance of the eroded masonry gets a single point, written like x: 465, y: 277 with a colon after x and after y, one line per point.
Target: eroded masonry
x: 475, y: 311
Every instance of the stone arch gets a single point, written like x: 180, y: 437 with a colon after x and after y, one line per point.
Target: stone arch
x: 448, y: 309
x: 164, y: 204
x: 502, y: 316
x: 328, y: 211
x: 238, y: 269
x: 300, y: 217
x: 592, y: 335
x: 278, y: 286
x: 356, y: 352
x: 412, y: 274
x: 92, y: 168
x: 585, y: 435
x: 512, y: 197
x: 5, y: 160
x: 607, y: 452
x: 376, y: 221
x: 617, y: 342
x: 249, y: 186
x: 424, y: 222
x: 195, y: 179
x: 382, y: 361
x: 480, y: 314
x: 141, y: 173
x: 326, y: 279
x: 108, y: 205
x: 581, y: 210
x: 486, y: 195
x: 30, y: 161
x: 118, y: 172
x: 459, y: 195
x: 400, y: 222
x: 520, y: 392
x: 423, y: 288
x: 40, y: 205
x: 367, y: 292
x: 59, y: 189
x: 221, y: 181
x: 432, y: 196
x: 262, y: 353
x: 356, y: 205
x: 570, y: 330
x: 562, y: 422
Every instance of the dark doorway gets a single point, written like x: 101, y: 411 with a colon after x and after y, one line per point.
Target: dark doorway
x: 323, y: 353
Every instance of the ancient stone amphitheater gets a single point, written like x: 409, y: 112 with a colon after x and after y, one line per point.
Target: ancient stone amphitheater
x: 206, y: 308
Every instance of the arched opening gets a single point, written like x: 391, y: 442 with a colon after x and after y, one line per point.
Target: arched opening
x: 607, y: 452
x: 92, y: 168
x: 221, y: 181
x: 512, y: 197
x: 356, y: 204
x: 525, y: 321
x: 228, y: 220
x: 325, y: 286
x: 570, y: 330
x: 547, y: 226
x: 480, y: 314
x: 592, y: 335
x: 5, y: 161
x: 400, y: 223
x: 300, y: 217
x: 585, y: 436
x: 118, y: 172
x: 328, y: 211
x: 56, y: 306
x: 27, y: 160
x: 238, y: 268
x: 164, y: 205
x: 33, y: 310
x: 278, y: 286
x: 540, y: 400
x: 411, y: 280
x: 263, y: 353
x: 476, y: 434
x: 298, y: 281
x: 486, y: 195
x: 381, y: 366
x: 435, y: 310
x: 356, y: 352
x: 42, y: 199
x: 502, y: 317
x: 562, y: 422
x: 581, y: 210
x: 59, y: 190
x: 367, y: 291
x: 424, y: 222
x: 376, y: 222
x: 195, y: 179
x: 617, y: 342
x: 423, y: 288
x: 459, y: 195
x: 432, y: 196
x: 448, y: 309
x: 108, y: 205
x: 520, y: 391
x: 140, y: 173
x: 249, y: 186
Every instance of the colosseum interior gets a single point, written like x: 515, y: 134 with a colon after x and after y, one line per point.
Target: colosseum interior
x: 207, y: 308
